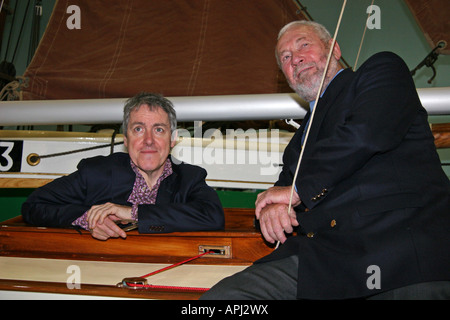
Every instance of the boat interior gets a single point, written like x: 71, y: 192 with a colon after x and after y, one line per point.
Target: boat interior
x: 67, y: 71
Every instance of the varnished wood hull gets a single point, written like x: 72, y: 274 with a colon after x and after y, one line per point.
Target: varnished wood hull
x: 242, y: 241
x: 242, y: 244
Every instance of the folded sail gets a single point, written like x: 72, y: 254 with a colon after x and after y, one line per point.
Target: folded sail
x: 114, y: 49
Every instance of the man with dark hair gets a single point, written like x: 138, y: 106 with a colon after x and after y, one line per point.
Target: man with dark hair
x: 144, y: 187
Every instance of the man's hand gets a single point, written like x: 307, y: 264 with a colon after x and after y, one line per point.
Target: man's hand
x: 275, y: 220
x: 108, y: 229
x: 98, y: 213
x: 280, y: 195
x: 271, y: 210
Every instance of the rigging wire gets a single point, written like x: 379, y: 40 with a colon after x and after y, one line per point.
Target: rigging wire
x: 35, y: 29
x: 10, y: 32
x: 20, y: 32
x: 362, y: 39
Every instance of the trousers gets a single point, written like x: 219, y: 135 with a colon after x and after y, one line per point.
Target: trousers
x: 274, y: 280
x: 277, y: 280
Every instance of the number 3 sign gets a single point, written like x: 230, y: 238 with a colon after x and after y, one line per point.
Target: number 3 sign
x: 10, y: 156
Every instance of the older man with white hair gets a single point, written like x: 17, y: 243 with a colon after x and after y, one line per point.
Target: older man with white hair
x: 370, y: 205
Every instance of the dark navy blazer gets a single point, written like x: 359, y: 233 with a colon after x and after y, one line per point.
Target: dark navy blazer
x: 184, y: 201
x: 372, y: 188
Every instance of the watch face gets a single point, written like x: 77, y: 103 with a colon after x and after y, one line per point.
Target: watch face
x: 127, y: 225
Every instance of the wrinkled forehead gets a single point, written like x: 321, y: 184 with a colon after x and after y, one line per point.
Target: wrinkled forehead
x: 149, y: 112
x: 296, y: 33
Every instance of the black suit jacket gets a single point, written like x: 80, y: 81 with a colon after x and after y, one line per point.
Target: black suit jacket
x: 184, y: 201
x: 372, y: 188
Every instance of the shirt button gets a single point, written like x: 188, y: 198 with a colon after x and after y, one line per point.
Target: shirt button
x: 333, y: 223
x: 310, y: 234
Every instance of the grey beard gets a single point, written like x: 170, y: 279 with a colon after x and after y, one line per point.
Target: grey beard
x: 309, y: 88
x: 308, y: 93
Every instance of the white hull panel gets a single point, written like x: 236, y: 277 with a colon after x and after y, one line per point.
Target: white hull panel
x: 243, y: 162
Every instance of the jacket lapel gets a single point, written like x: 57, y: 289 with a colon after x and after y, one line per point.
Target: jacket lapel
x: 327, y: 100
x: 166, y: 189
x: 122, y: 177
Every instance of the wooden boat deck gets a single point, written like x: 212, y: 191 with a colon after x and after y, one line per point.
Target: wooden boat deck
x: 238, y: 244
x: 236, y: 247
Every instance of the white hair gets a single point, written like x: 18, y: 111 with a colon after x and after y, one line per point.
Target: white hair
x: 319, y: 29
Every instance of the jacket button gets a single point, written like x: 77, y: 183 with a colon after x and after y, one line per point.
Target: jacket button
x: 333, y: 223
x: 310, y: 234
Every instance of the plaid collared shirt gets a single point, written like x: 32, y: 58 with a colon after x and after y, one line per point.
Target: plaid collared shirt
x: 141, y: 193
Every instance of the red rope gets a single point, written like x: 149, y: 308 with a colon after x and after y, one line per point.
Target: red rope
x: 174, y: 265
x: 175, y: 288
x: 169, y: 288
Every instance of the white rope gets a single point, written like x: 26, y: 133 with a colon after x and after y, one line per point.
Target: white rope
x: 314, y: 109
